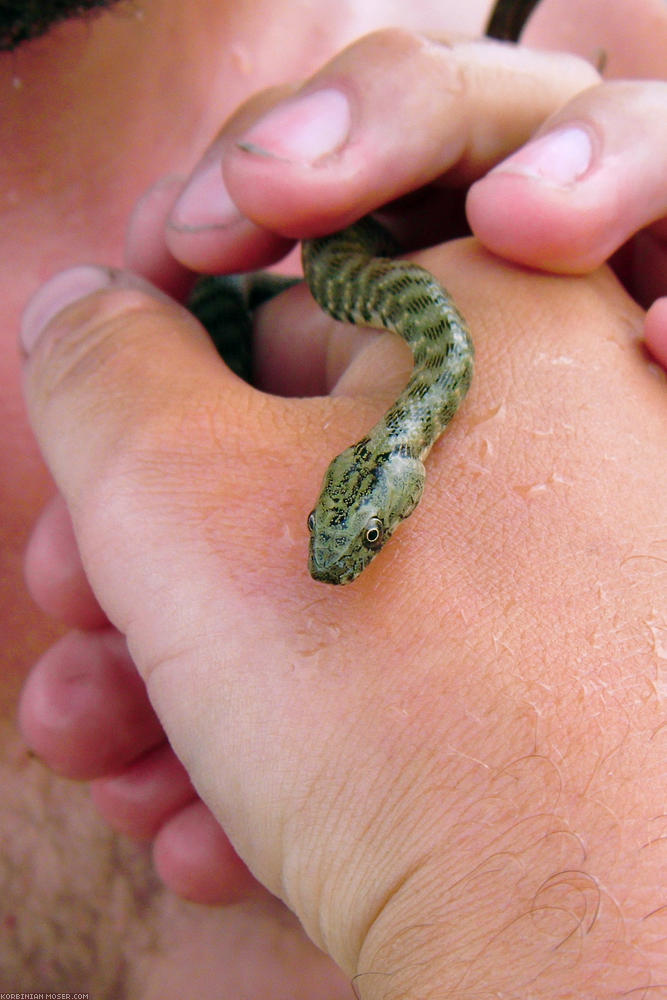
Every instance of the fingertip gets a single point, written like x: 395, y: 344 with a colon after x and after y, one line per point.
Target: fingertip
x: 583, y: 186
x: 560, y: 157
x: 84, y: 709
x: 495, y: 212
x: 66, y: 294
x: 304, y: 129
x: 146, y: 249
x: 145, y: 794
x: 54, y: 573
x: 103, y: 370
x: 655, y: 331
x: 225, y: 249
x: 55, y: 296
x: 195, y: 859
x: 517, y: 218
x: 197, y: 227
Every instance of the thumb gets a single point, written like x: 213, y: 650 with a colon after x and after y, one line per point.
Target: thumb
x: 133, y: 408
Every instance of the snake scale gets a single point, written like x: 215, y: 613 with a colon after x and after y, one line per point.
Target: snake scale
x: 375, y: 484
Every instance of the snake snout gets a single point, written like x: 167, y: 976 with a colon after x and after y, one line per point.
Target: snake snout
x: 328, y: 571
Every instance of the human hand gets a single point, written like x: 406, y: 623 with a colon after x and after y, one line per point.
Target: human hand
x: 490, y: 110
x: 588, y: 186
x: 375, y: 753
x: 488, y: 82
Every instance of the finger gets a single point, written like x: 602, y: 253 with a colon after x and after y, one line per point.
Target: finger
x: 139, y: 799
x: 153, y: 798
x: 205, y: 229
x: 84, y: 709
x: 330, y: 152
x: 655, y: 331
x: 146, y: 252
x: 592, y: 177
x: 54, y: 573
x: 195, y: 859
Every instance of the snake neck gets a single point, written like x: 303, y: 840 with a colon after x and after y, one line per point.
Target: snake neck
x: 443, y: 362
x: 372, y: 486
x: 355, y: 286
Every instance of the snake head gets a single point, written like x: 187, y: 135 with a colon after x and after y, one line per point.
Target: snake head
x: 364, y: 498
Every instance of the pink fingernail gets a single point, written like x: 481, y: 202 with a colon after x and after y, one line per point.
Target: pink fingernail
x: 58, y: 293
x: 302, y: 130
x: 561, y: 157
x: 205, y: 202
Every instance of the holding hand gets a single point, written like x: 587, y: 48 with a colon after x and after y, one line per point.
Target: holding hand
x: 589, y: 182
x: 375, y: 752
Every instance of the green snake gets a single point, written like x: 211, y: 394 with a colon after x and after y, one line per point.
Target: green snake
x: 375, y: 484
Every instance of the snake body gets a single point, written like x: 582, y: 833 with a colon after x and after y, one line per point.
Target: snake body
x: 375, y: 484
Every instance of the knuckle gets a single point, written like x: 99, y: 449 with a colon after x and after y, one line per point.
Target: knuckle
x: 392, y: 62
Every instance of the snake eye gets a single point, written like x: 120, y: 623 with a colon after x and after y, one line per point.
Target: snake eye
x: 311, y: 522
x: 373, y: 533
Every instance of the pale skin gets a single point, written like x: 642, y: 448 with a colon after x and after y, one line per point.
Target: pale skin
x: 378, y: 690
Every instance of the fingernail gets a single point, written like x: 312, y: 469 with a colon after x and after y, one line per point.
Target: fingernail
x: 58, y: 293
x: 561, y: 157
x: 205, y: 202
x: 303, y: 130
